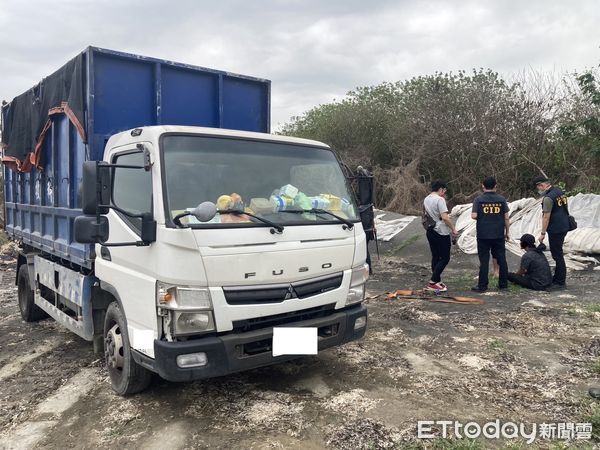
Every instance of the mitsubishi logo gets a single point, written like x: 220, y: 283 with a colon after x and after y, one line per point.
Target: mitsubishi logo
x: 290, y: 293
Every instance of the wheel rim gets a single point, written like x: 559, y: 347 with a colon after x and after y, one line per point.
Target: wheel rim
x: 113, y: 348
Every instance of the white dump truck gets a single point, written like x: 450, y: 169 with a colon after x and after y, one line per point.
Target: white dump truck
x: 187, y: 251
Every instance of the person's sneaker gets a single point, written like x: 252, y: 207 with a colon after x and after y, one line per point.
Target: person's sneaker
x: 436, y: 287
x: 478, y: 289
x: 503, y: 288
x: 558, y: 286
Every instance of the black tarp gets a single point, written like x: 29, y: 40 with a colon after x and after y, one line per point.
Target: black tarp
x: 28, y: 116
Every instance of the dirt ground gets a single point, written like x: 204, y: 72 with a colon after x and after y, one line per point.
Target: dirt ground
x: 522, y: 356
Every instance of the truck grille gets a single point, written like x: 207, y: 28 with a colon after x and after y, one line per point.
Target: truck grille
x: 241, y: 326
x: 281, y: 292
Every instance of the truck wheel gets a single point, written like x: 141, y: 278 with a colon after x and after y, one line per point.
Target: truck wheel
x: 30, y: 312
x: 126, y: 376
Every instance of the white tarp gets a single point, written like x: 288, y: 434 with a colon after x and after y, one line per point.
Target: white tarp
x: 582, y: 246
x: 387, y: 229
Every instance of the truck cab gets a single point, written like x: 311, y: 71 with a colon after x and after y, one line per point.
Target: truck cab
x: 202, y: 299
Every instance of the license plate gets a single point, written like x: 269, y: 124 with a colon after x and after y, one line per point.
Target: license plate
x: 295, y: 341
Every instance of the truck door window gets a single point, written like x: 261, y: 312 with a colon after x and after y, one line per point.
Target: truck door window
x: 132, y: 188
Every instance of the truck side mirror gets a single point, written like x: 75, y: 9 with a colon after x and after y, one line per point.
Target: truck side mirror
x: 365, y: 200
x: 96, y: 184
x: 146, y: 155
x: 90, y: 229
x: 365, y: 186
x: 148, y: 228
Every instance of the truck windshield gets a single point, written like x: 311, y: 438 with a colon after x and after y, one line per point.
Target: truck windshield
x: 261, y: 178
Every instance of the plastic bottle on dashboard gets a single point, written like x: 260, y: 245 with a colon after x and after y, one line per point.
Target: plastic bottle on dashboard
x: 346, y: 205
x: 281, y: 202
x: 320, y: 202
x: 335, y: 203
x: 302, y: 201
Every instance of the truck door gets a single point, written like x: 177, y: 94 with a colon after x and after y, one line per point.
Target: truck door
x: 130, y: 270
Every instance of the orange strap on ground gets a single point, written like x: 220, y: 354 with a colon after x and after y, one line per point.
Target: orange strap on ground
x: 428, y: 295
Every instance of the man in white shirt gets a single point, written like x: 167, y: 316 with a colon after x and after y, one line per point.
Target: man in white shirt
x: 439, y: 234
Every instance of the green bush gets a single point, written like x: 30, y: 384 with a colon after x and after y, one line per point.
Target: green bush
x: 462, y: 127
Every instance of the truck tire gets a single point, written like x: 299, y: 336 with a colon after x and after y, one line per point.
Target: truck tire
x: 30, y: 312
x: 126, y: 376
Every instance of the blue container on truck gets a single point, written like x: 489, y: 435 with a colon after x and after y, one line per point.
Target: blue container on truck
x: 120, y: 91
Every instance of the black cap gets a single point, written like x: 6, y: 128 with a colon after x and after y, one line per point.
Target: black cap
x: 540, y: 179
x: 528, y: 239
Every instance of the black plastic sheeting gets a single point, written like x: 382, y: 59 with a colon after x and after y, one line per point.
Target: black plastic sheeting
x: 27, y: 116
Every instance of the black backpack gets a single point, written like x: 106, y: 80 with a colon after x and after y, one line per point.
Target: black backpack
x: 427, y: 221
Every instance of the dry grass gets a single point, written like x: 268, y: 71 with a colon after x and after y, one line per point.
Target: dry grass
x: 400, y: 189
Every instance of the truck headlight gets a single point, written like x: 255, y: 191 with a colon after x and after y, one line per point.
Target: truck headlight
x: 192, y: 322
x: 169, y: 296
x: 356, y: 293
x: 185, y: 310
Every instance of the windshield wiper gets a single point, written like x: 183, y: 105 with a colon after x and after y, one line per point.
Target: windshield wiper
x: 239, y: 212
x: 346, y: 222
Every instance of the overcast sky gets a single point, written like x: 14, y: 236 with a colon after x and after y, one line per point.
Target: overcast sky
x: 313, y: 51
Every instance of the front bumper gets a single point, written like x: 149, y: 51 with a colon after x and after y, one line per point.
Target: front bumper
x: 242, y: 351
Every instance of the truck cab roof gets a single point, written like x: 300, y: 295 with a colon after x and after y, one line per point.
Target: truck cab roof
x: 152, y: 133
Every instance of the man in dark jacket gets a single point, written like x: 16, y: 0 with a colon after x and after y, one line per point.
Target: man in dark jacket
x: 534, y: 272
x: 490, y: 210
x: 555, y: 223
